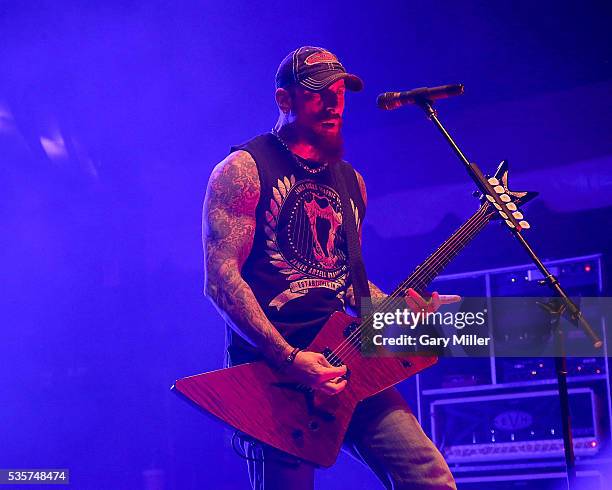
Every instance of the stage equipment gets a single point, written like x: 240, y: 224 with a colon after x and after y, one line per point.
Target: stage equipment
x: 392, y: 100
x: 501, y: 388
x: 490, y: 188
x: 514, y: 426
x: 495, y: 193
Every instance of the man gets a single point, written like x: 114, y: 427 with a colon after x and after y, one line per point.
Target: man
x: 276, y: 268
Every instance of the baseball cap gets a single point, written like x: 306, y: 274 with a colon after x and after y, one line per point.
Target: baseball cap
x: 315, y: 69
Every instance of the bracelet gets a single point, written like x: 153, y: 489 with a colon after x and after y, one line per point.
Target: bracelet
x: 291, y: 357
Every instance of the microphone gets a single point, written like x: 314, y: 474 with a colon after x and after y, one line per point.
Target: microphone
x: 392, y: 100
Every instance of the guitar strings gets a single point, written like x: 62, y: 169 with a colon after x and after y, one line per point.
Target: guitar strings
x: 421, y: 277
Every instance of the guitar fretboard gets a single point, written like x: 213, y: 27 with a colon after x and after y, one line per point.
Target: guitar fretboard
x: 437, y: 261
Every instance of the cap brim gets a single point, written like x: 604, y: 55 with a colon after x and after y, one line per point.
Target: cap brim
x: 319, y: 81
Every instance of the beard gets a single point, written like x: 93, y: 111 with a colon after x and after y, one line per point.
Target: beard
x: 329, y: 145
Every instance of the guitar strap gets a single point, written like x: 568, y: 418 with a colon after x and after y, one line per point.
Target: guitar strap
x: 341, y: 172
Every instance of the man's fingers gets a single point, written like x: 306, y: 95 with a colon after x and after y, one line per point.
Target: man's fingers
x: 434, y: 303
x: 417, y: 303
x: 332, y: 387
x: 413, y: 305
x: 324, y: 362
x: 331, y: 373
x: 447, y: 299
x: 416, y: 298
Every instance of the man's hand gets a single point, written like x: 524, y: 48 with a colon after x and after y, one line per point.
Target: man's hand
x: 417, y: 303
x: 314, y: 370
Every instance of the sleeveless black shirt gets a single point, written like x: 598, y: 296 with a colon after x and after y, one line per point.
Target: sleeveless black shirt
x: 298, y: 264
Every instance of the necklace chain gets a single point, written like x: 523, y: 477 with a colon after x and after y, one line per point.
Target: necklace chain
x: 301, y: 164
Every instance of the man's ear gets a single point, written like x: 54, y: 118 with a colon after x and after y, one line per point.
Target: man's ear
x: 283, y: 100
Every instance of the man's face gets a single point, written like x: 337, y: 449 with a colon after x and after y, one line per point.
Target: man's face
x: 317, y: 116
x: 321, y: 112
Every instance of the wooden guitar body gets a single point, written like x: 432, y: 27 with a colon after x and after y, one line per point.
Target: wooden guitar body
x: 253, y: 398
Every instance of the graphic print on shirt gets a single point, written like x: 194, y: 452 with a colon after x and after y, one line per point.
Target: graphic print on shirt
x: 304, y: 239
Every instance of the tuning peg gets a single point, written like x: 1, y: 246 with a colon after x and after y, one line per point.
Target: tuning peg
x: 525, y: 225
x: 497, y: 206
x: 509, y: 223
x: 517, y: 215
x: 511, y: 206
x: 504, y: 197
x: 490, y: 198
x: 493, y: 181
x: 503, y: 215
x: 499, y: 189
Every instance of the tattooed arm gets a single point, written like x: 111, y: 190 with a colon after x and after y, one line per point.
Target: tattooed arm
x: 377, y: 295
x: 228, y: 229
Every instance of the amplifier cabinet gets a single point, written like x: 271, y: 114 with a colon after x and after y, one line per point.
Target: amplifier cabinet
x: 513, y: 426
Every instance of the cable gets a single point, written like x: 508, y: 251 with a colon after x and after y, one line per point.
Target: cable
x: 240, y: 451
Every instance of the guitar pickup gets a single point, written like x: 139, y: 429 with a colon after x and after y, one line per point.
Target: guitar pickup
x: 334, y: 360
x: 349, y: 334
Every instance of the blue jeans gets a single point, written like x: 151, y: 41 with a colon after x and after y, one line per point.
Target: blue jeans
x: 384, y: 434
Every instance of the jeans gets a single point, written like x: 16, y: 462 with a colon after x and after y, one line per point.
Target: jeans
x: 384, y: 434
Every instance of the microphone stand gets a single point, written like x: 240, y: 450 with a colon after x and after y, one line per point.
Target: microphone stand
x: 564, y: 302
x: 555, y: 308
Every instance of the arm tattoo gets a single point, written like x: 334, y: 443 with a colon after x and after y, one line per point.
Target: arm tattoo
x: 377, y: 295
x: 228, y: 229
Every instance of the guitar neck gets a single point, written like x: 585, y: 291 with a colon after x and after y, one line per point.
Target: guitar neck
x: 437, y: 261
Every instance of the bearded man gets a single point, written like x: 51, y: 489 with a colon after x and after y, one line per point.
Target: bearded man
x: 276, y: 266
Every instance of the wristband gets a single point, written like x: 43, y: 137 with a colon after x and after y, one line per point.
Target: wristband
x: 291, y: 357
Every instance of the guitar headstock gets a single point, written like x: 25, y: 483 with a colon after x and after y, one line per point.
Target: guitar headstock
x: 512, y: 199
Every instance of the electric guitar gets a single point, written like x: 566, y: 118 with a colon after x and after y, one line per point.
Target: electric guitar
x: 254, y: 399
